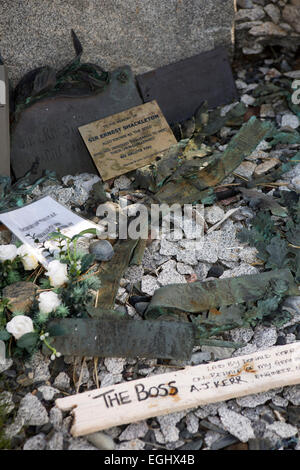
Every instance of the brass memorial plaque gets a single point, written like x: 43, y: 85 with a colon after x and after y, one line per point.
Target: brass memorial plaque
x: 127, y: 140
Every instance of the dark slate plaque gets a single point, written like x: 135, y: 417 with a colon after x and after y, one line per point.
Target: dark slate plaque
x: 124, y: 338
x: 47, y: 131
x: 180, y: 88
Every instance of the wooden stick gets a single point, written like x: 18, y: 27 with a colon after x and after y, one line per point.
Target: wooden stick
x: 175, y: 391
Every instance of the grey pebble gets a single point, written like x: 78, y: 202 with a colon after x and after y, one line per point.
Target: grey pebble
x: 141, y: 307
x: 37, y: 442
x: 56, y: 418
x: 236, y: 424
x: 62, y: 382
x: 101, y: 440
x: 102, y: 250
x: 32, y: 411
x: 56, y: 442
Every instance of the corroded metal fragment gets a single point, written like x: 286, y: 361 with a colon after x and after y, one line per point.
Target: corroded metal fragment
x: 187, y: 190
x: 200, y: 296
x: 113, y: 270
x: 125, y: 338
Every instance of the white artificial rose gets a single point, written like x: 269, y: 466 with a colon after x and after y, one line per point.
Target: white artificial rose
x: 29, y: 260
x: 8, y: 252
x: 19, y: 326
x: 48, y: 301
x: 58, y: 273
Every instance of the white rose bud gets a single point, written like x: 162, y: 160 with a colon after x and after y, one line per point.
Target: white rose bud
x: 8, y: 252
x: 57, y: 273
x: 48, y: 301
x: 19, y: 326
x: 29, y: 260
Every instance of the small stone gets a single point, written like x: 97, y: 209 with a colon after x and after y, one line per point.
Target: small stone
x: 265, y: 337
x: 248, y: 255
x: 245, y: 169
x: 5, y: 236
x: 32, y: 411
x: 56, y: 442
x: 5, y: 364
x: 115, y: 365
x: 267, y: 110
x: 268, y: 29
x: 213, y: 214
x: 252, y: 14
x: 122, y: 182
x: 199, y: 357
x: 170, y: 276
x: 101, y: 440
x: 184, y: 268
x: 284, y: 430
x: 168, y: 426
x: 291, y: 15
x: 245, y: 3
x: 62, y: 381
x: 109, y: 379
x: 293, y: 394
x: 255, y: 49
x: 79, y: 443
x: 210, y: 438
x: 249, y: 349
x: 168, y: 248
x: 102, y: 250
x: 266, y: 166
x: 192, y: 423
x: 134, y: 431
x: 254, y: 400
x: 37, y: 442
x: 135, y: 444
x: 6, y: 401
x: 218, y: 352
x: 280, y: 401
x: 141, y: 307
x: 48, y: 392
x: 241, y: 335
x: 239, y: 271
x: 247, y: 99
x: 187, y: 257
x: 236, y: 424
x: 134, y: 273
x: 84, y: 180
x: 273, y: 12
x: 20, y: 295
x: 149, y: 284
x: 290, y: 120
x: 56, y: 418
x: 207, y: 410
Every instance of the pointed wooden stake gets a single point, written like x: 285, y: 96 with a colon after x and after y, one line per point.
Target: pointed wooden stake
x: 175, y: 391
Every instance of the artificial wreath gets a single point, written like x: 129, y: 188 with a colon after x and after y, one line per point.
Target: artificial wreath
x: 64, y: 289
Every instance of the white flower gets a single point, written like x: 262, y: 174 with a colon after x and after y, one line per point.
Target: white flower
x: 48, y: 301
x: 57, y: 273
x: 29, y: 260
x: 19, y: 326
x: 8, y: 252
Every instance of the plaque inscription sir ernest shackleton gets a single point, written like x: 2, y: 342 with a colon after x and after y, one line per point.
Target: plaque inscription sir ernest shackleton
x: 127, y: 140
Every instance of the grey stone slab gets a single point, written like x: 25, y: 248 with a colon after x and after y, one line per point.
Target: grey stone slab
x: 4, y: 123
x: 47, y: 131
x: 142, y: 34
x: 181, y: 87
